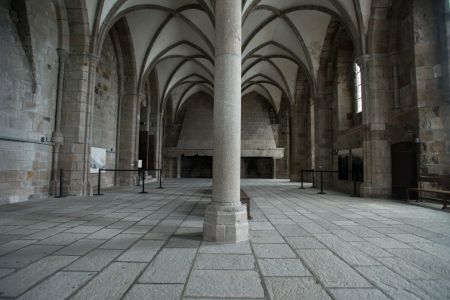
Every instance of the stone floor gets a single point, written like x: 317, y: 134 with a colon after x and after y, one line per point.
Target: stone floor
x: 303, y: 246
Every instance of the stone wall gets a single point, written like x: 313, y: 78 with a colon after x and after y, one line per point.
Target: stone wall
x: 346, y: 130
x: 256, y: 130
x: 195, y: 133
x: 28, y: 76
x: 433, y: 110
x: 197, y: 128
x: 106, y: 103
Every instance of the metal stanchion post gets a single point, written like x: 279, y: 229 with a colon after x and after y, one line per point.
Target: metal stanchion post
x: 321, y: 183
x: 139, y: 179
x: 314, y: 178
x: 354, y: 189
x: 99, y: 182
x: 301, y: 178
x: 143, y: 182
x: 160, y: 179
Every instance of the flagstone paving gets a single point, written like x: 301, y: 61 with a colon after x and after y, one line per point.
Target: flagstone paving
x: 126, y: 245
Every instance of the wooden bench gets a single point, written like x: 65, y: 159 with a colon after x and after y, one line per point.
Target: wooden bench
x: 445, y: 194
x: 245, y: 199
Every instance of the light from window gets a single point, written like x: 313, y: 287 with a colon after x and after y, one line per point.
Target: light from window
x: 358, y: 89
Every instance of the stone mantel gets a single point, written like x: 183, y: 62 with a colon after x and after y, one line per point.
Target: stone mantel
x: 276, y: 153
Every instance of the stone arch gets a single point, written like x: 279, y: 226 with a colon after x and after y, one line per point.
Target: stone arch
x: 324, y: 97
x: 301, y: 127
x: 19, y: 11
x: 63, y: 24
x: 78, y: 25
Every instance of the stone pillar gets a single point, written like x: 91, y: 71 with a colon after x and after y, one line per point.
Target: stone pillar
x: 377, y: 102
x: 284, y: 140
x: 128, y: 139
x: 301, y: 128
x: 57, y: 136
x: 179, y: 166
x: 79, y: 79
x: 226, y: 218
x: 396, y: 105
x: 89, y: 120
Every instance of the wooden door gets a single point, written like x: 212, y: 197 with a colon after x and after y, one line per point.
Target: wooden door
x: 404, y: 169
x: 143, y: 147
x: 151, y: 152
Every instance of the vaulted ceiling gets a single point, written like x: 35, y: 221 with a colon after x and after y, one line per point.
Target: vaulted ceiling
x: 175, y: 39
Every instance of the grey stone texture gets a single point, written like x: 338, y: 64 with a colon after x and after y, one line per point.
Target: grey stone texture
x: 226, y: 218
x: 355, y: 294
x: 156, y: 291
x: 112, y: 283
x: 232, y: 284
x: 18, y: 282
x: 170, y: 266
x: 287, y: 263
x: 59, y: 286
x: 291, y: 288
x: 94, y: 261
x: 273, y: 251
x: 142, y: 251
x: 282, y: 267
x: 106, y: 100
x: 29, y: 76
x: 331, y: 270
x: 225, y: 262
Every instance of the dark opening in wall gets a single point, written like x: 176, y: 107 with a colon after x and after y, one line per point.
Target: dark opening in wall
x: 257, y: 167
x: 196, y: 166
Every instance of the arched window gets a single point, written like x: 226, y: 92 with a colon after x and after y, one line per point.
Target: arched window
x: 358, y: 89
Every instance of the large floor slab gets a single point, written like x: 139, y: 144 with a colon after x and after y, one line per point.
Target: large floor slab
x: 126, y: 245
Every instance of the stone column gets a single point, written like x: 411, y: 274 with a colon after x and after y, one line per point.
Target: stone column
x: 75, y: 110
x: 179, y: 166
x: 89, y: 120
x: 57, y: 136
x: 377, y: 102
x: 226, y: 218
x: 128, y: 137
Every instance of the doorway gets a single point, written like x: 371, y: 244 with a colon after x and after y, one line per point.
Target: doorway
x: 196, y: 166
x: 404, y: 169
x: 257, y: 167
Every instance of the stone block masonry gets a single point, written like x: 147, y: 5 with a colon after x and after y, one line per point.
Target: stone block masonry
x: 27, y: 101
x: 149, y: 246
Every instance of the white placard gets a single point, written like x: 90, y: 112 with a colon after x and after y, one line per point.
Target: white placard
x: 98, y: 159
x: 140, y: 164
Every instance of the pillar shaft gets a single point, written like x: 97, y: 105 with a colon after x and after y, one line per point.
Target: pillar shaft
x: 178, y: 166
x: 57, y: 137
x: 227, y: 104
x: 226, y: 219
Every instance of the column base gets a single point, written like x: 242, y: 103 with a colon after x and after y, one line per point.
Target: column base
x: 224, y: 224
